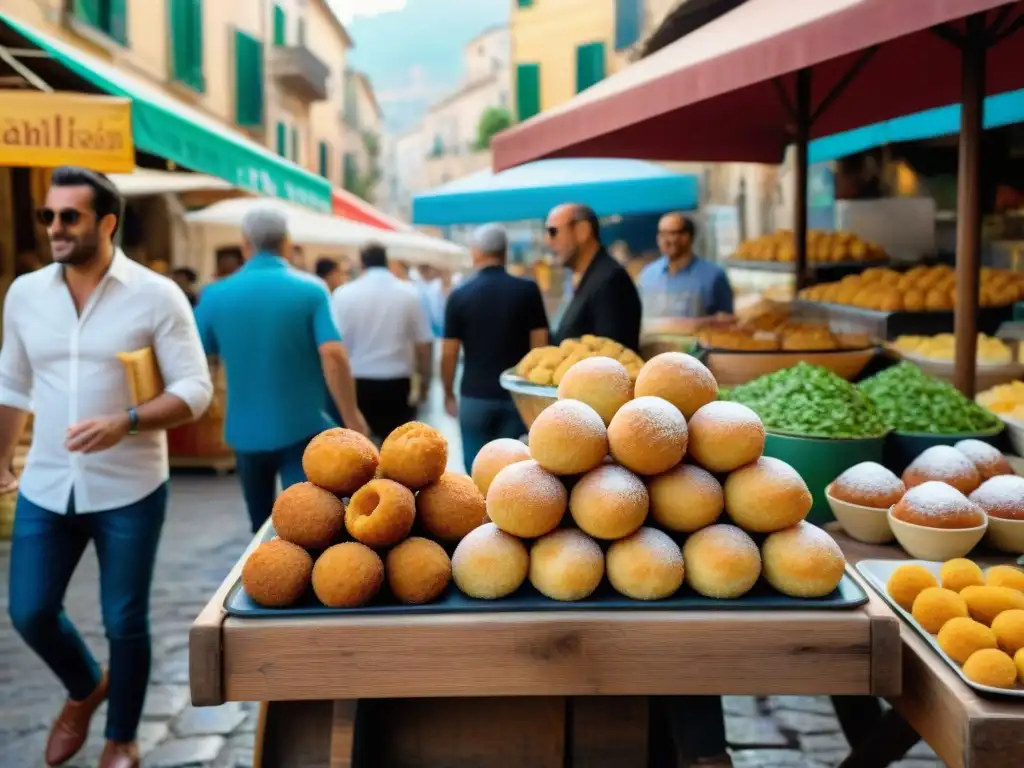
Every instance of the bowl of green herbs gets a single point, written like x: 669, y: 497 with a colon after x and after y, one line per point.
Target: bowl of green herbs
x: 816, y: 421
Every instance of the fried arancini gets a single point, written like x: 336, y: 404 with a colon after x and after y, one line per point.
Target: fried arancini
x: 489, y: 563
x: 568, y: 438
x: 347, y: 575
x: 1005, y: 576
x: 991, y: 667
x: 494, y: 457
x: 646, y: 565
x: 962, y: 636
x: 526, y: 500
x: 340, y: 460
x: 566, y: 565
x: 959, y: 573
x: 681, y: 379
x: 600, y: 382
x: 451, y: 507
x: 1018, y: 660
x: 803, y: 561
x: 1008, y: 627
x: 414, y: 455
x: 381, y: 513
x: 985, y: 603
x: 418, y: 570
x: 934, y: 606
x: 277, y: 573
x: 307, y: 515
x: 907, y: 582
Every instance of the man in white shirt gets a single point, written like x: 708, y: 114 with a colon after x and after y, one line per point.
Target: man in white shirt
x: 97, y: 469
x: 385, y: 328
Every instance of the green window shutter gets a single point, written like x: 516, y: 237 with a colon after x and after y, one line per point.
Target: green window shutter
x: 629, y: 20
x: 325, y: 152
x: 589, y: 65
x: 350, y: 171
x: 248, y: 80
x: 527, y: 90
x: 198, y: 81
x: 89, y: 12
x: 282, y: 139
x: 280, y: 26
x: 187, y: 42
x: 526, y: 3
x: 295, y: 144
x: 117, y: 19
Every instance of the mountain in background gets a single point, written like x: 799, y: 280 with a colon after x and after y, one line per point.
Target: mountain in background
x: 414, y: 56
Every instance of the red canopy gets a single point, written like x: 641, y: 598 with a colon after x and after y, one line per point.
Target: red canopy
x: 348, y: 206
x: 721, y: 92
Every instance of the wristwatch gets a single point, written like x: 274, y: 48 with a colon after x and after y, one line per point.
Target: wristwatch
x: 133, y: 422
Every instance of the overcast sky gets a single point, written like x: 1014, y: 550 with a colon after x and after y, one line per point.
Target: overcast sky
x: 347, y: 8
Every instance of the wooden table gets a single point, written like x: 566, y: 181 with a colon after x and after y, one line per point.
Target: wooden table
x: 519, y: 689
x: 965, y: 729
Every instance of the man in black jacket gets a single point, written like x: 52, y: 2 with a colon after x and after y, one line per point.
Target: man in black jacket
x: 604, y: 301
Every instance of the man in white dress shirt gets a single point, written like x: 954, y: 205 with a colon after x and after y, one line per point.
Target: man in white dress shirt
x: 384, y: 328
x: 97, y: 469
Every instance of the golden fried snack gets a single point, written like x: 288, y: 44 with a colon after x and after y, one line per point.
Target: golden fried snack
x: 1005, y: 576
x: 489, y: 564
x: 600, y: 382
x: 934, y: 606
x: 961, y: 637
x: 307, y: 515
x: 724, y: 436
x: 418, y: 571
x: 494, y: 457
x: 803, y: 561
x: 766, y: 495
x: 986, y: 603
x: 647, y: 565
x: 347, y: 575
x: 907, y: 582
x: 451, y: 507
x: 526, y: 500
x: 609, y: 502
x: 541, y: 375
x: 1008, y: 627
x: 945, y: 464
x: 685, y: 499
x: 340, y: 460
x: 959, y: 573
x: 277, y: 573
x: 680, y: 379
x: 721, y: 562
x: 568, y: 438
x: 381, y: 513
x: 992, y: 668
x: 566, y: 565
x: 415, y: 455
x: 648, y: 435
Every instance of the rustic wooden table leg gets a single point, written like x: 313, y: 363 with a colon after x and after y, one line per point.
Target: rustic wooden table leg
x: 608, y: 731
x: 343, y: 730
x: 295, y: 734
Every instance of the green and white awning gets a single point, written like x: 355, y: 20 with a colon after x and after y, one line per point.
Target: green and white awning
x: 168, y: 128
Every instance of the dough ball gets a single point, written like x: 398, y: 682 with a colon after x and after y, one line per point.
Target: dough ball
x: 568, y: 438
x: 340, y: 460
x: 724, y: 436
x: 934, y: 606
x: 1001, y: 496
x: 418, y: 571
x: 1008, y: 627
x: 494, y: 457
x: 681, y: 379
x: 992, y: 668
x: 526, y: 500
x: 647, y: 565
x: 985, y: 603
x: 958, y: 573
x: 609, y: 502
x: 721, y: 562
x: 868, y: 484
x: 347, y: 575
x: 451, y: 507
x: 600, y: 382
x: 945, y: 464
x: 960, y: 637
x: 936, y: 504
x: 276, y: 573
x: 381, y: 513
x: 766, y: 495
x: 907, y: 582
x: 489, y: 563
x: 803, y: 561
x: 685, y: 499
x: 566, y: 565
x: 307, y: 515
x: 989, y: 460
x: 648, y: 436
x: 414, y: 455
x: 1018, y: 660
x: 1005, y: 576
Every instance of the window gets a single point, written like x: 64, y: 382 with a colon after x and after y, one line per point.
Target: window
x: 108, y: 16
x: 187, y: 42
x: 280, y: 26
x: 629, y: 21
x: 526, y: 3
x: 295, y: 144
x: 589, y: 65
x: 527, y: 90
x: 325, y: 159
x: 282, y: 139
x: 248, y: 81
x: 350, y: 171
x: 351, y: 101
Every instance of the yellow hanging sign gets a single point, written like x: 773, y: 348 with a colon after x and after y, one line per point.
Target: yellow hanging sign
x: 46, y: 130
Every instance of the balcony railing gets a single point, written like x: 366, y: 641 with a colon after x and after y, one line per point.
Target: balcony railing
x: 301, y: 72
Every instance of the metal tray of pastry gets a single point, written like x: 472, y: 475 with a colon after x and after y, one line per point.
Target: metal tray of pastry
x: 877, y: 573
x: 849, y: 594
x: 845, y: 318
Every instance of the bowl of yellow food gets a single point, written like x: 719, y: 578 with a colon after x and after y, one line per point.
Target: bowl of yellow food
x: 1007, y: 402
x: 997, y: 361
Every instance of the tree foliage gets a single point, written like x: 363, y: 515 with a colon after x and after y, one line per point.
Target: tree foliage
x: 493, y: 121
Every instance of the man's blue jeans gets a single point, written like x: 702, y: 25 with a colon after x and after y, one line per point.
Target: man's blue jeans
x: 482, y: 420
x: 258, y: 472
x: 45, y: 550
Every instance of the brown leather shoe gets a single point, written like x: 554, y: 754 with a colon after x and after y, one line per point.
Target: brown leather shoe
x: 119, y: 754
x: 71, y: 728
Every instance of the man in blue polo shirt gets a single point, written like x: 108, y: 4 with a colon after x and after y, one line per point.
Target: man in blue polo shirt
x: 681, y: 284
x: 271, y: 326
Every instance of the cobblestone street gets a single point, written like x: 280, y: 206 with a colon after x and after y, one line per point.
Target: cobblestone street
x: 205, y: 531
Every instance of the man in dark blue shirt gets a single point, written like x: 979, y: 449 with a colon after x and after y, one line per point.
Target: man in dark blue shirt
x: 495, y: 319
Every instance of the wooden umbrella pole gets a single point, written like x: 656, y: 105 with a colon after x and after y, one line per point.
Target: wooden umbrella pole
x: 803, y: 131
x: 968, y: 232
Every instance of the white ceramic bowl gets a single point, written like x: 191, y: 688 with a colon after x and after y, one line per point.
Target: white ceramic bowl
x: 935, y: 544
x: 867, y: 524
x: 1015, y: 429
x: 1006, y: 535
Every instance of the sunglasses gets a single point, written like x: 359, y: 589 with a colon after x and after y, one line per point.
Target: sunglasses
x: 67, y: 216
